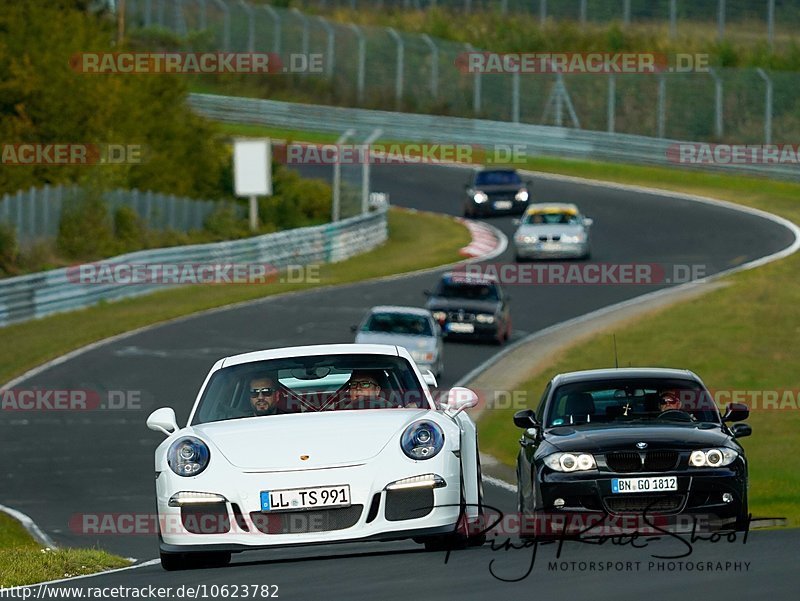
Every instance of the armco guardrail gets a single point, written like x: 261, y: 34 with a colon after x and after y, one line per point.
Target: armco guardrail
x: 536, y: 139
x: 39, y: 294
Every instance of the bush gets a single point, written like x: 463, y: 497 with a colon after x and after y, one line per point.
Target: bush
x: 9, y: 249
x: 225, y: 224
x: 129, y: 230
x: 85, y: 230
x: 296, y: 202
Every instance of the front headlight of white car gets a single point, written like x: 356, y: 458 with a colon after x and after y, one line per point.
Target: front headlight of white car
x: 188, y: 456
x: 480, y: 197
x: 484, y: 318
x: 422, y: 440
x: 570, y: 462
x: 718, y: 457
x: 576, y: 239
x: 523, y: 239
x: 422, y: 356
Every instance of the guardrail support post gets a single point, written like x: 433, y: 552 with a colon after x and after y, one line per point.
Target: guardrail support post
x: 612, y: 103
x: 337, y: 178
x: 251, y: 26
x: 376, y: 133
x: 721, y: 19
x: 662, y: 106
x: 584, y: 13
x: 476, y: 86
x: 542, y: 12
x: 362, y: 62
x: 330, y: 59
x: 276, y: 28
x: 226, y: 24
x: 304, y: 41
x: 673, y: 18
x: 203, y: 14
x: 626, y: 12
x: 771, y: 23
x: 434, y: 64
x: 768, y: 101
x: 398, y: 82
x: 718, y: 123
x: 515, y: 96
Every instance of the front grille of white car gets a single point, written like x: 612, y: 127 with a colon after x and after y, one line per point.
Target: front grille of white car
x: 408, y: 504
x: 304, y: 522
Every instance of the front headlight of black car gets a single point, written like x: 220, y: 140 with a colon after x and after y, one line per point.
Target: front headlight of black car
x: 188, y: 456
x: 570, y: 462
x: 718, y: 457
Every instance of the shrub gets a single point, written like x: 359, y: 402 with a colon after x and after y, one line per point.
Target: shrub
x: 85, y: 230
x: 9, y: 249
x: 129, y: 230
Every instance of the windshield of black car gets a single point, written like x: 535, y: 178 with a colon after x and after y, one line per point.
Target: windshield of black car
x: 635, y: 399
x: 310, y: 385
x: 551, y: 218
x: 468, y: 290
x: 399, y: 323
x: 497, y: 178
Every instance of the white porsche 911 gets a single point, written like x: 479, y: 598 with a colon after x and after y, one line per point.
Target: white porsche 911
x: 316, y: 444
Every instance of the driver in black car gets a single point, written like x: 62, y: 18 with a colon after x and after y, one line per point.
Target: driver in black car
x: 670, y: 400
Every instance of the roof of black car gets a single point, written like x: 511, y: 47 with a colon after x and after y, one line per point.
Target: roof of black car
x: 625, y: 373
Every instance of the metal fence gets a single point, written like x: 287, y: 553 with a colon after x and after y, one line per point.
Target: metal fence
x: 382, y: 68
x: 532, y: 140
x: 760, y: 16
x: 36, y: 295
x: 35, y: 213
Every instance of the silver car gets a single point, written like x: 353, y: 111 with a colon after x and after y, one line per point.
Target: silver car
x: 410, y: 327
x: 553, y: 231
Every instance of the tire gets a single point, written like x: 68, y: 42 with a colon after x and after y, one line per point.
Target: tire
x: 173, y: 562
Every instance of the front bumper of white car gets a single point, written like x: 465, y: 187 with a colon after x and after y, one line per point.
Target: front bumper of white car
x: 236, y: 522
x: 551, y: 250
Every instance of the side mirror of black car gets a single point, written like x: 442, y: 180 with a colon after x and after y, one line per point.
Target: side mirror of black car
x: 741, y: 430
x: 735, y: 412
x: 427, y: 293
x: 353, y: 328
x: 526, y: 418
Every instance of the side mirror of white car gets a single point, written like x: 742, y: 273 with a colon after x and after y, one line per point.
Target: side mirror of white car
x: 429, y: 378
x: 587, y: 222
x: 460, y: 398
x: 163, y: 420
x: 516, y: 221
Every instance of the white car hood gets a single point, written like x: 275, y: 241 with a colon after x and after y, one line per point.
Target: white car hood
x: 330, y: 438
x: 550, y: 230
x: 408, y: 341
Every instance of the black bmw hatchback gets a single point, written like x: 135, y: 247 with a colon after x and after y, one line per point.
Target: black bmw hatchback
x: 646, y: 445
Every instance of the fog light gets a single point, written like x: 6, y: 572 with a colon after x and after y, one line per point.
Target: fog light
x: 727, y: 497
x: 559, y: 503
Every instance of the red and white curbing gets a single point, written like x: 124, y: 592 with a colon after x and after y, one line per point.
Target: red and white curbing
x: 484, y: 239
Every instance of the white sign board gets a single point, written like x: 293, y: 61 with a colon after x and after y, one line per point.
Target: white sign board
x: 252, y: 167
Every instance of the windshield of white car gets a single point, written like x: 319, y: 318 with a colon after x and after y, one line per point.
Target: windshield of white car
x: 398, y: 323
x: 648, y: 400
x: 310, y: 385
x: 497, y: 178
x: 467, y: 290
x: 551, y: 219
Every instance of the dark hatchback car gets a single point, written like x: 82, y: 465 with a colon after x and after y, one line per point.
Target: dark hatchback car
x: 644, y: 444
x: 496, y: 192
x: 471, y: 307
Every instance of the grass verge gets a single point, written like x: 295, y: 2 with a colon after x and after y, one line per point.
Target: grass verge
x: 26, y: 345
x: 23, y: 561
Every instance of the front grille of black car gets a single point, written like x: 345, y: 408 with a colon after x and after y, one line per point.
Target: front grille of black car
x: 660, y: 461
x: 651, y: 461
x: 302, y: 522
x: 460, y: 316
x: 408, y: 504
x: 635, y: 503
x: 624, y: 461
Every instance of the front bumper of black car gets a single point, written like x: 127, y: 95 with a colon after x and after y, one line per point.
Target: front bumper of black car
x: 497, y: 207
x: 582, y: 503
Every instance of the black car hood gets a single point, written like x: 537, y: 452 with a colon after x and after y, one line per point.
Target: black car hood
x: 438, y: 303
x: 610, y: 437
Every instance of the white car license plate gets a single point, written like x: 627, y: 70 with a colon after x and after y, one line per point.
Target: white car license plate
x: 503, y: 204
x: 666, y: 483
x: 551, y: 246
x: 461, y: 328
x: 305, y: 498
